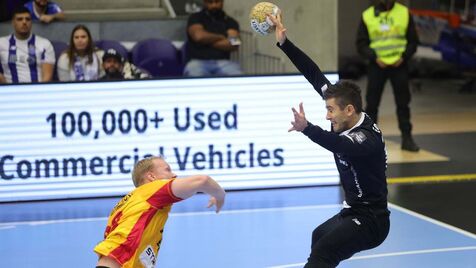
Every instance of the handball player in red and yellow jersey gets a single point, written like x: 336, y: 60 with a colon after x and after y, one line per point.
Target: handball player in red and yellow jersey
x: 135, y: 225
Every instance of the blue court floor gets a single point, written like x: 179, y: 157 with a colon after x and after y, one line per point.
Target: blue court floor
x: 267, y: 228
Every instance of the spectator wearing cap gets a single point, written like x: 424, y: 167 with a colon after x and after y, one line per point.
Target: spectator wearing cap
x: 117, y: 68
x: 81, y: 61
x: 44, y: 11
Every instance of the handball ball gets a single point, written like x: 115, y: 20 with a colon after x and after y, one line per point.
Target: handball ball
x: 260, y: 23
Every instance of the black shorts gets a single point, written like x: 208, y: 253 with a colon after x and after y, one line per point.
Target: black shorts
x: 346, y: 233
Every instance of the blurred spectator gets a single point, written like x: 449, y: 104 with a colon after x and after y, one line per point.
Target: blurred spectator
x: 8, y: 6
x: 117, y: 68
x: 24, y: 56
x: 44, y: 11
x: 191, y: 6
x: 4, y: 10
x: 212, y: 35
x: 81, y: 61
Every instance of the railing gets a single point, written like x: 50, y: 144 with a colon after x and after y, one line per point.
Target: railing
x: 168, y: 6
x: 102, y: 10
x: 254, y: 62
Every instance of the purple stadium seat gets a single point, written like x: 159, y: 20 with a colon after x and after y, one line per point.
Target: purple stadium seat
x: 157, y: 56
x: 183, y: 53
x: 59, y: 47
x: 106, y: 44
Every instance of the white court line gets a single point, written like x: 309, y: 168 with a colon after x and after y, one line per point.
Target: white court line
x: 14, y: 224
x: 255, y: 210
x: 239, y: 211
x: 431, y: 220
x: 412, y: 252
x: 185, y: 214
x: 417, y: 215
x: 400, y: 253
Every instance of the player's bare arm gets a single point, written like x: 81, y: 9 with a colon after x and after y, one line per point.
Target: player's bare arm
x: 187, y: 187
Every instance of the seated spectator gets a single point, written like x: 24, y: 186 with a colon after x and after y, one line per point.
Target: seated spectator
x: 24, y: 56
x: 212, y: 35
x: 44, y: 11
x: 81, y: 61
x: 117, y: 68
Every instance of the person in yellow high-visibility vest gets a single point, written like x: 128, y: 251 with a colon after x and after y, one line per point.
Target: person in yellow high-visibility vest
x: 387, y: 38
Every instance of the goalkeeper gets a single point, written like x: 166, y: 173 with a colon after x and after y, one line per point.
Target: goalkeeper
x: 359, y: 153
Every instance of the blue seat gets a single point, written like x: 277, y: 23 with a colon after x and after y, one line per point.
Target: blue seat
x: 159, y: 57
x: 459, y: 48
x: 59, y: 47
x: 183, y: 53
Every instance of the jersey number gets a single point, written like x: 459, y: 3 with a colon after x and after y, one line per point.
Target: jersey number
x: 113, y: 225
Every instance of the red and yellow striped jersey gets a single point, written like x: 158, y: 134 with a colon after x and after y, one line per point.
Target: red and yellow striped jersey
x: 135, y: 225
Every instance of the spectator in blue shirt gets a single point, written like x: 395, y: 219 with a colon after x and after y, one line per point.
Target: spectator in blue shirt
x: 44, y: 11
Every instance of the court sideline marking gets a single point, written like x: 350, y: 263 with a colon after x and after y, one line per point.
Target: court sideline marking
x: 398, y: 253
x: 436, y: 178
x: 413, y: 252
x: 431, y: 220
x: 176, y: 214
x: 10, y: 225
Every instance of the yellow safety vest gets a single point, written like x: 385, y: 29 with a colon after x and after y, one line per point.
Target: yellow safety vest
x: 387, y: 32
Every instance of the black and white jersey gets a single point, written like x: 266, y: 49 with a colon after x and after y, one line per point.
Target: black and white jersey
x: 359, y: 152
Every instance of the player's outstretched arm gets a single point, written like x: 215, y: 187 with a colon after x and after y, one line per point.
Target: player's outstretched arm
x: 303, y: 63
x: 187, y: 187
x: 280, y: 30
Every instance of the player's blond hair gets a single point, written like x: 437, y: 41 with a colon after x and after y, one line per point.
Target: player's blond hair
x: 141, y: 168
